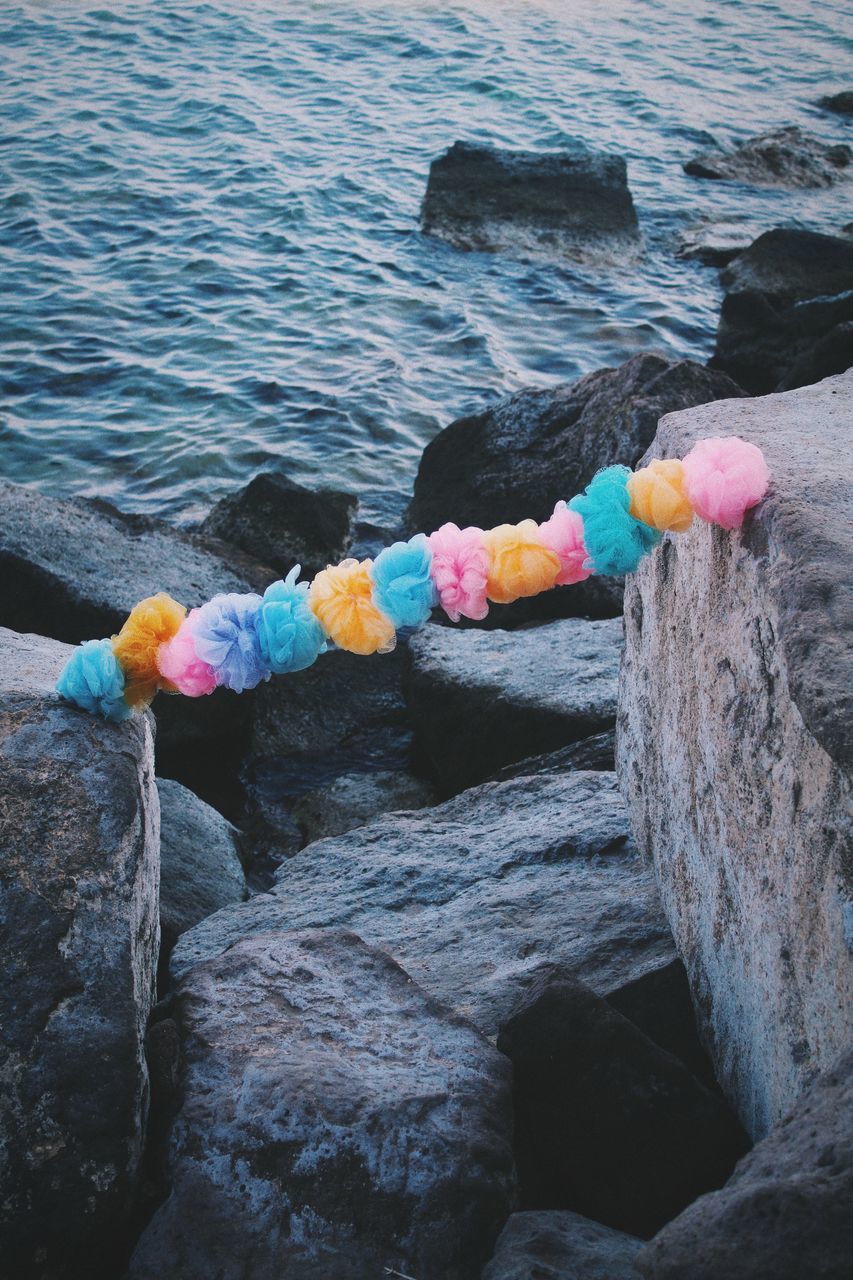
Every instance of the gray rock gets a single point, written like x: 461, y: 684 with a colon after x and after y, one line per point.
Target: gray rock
x: 480, y: 700
x: 597, y: 752
x: 557, y: 1245
x: 568, y: 203
x: 841, y: 103
x: 355, y: 798
x: 734, y: 750
x: 782, y: 158
x: 79, y: 829
x: 785, y: 1212
x: 788, y: 266
x: 714, y: 244
x: 336, y: 1122
x: 475, y: 896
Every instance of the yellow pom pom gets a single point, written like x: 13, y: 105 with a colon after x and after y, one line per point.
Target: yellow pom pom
x: 342, y: 598
x: 521, y: 564
x: 150, y: 624
x: 658, y: 497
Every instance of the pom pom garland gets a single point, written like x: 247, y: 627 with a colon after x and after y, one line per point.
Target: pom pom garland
x: 236, y: 641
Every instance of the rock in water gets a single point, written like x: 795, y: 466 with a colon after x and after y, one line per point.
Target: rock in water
x: 734, y: 751
x: 785, y: 1212
x: 79, y: 830
x: 841, y: 103
x: 336, y: 1122
x: 783, y: 158
x: 555, y: 1245
x: 574, y: 204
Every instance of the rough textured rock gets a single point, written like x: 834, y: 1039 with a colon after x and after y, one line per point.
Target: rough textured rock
x: 788, y: 266
x: 733, y: 746
x: 783, y: 158
x: 483, y: 699
x: 475, y: 896
x: 554, y: 1245
x: 281, y: 523
x: 355, y: 798
x: 367, y: 1128
x: 785, y: 1212
x: 78, y: 946
x: 597, y: 752
x: 841, y: 103
x: 569, y: 203
x: 606, y: 1123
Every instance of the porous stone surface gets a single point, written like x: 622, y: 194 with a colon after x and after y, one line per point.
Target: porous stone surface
x: 79, y: 829
x: 354, y: 798
x: 550, y: 1244
x: 785, y: 1212
x: 480, y: 700
x: 787, y: 157
x: 475, y: 896
x: 337, y: 1122
x: 734, y: 748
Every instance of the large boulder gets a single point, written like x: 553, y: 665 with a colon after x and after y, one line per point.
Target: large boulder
x: 785, y: 1212
x: 558, y: 1245
x: 355, y: 798
x: 480, y: 700
x: 476, y: 896
x: 567, y: 203
x: 782, y: 158
x: 336, y: 1122
x: 79, y: 829
x: 734, y: 749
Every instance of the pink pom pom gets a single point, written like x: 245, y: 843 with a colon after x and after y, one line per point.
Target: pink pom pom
x: 460, y: 570
x: 178, y: 662
x: 723, y: 478
x: 563, y: 534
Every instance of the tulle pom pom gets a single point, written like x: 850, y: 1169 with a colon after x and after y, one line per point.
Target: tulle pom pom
x: 342, y: 598
x: 521, y: 564
x: 150, y: 623
x: 723, y: 478
x: 289, y: 633
x: 658, y: 497
x: 402, y: 586
x: 93, y: 680
x: 460, y: 570
x: 563, y: 534
x: 615, y: 541
x: 225, y: 635
x: 180, y: 665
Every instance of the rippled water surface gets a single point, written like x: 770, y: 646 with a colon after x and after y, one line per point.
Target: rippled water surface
x: 208, y: 220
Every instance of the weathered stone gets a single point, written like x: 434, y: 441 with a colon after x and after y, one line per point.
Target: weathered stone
x: 336, y: 1122
x: 355, y: 798
x: 606, y: 1123
x: 785, y: 1212
x: 483, y: 699
x: 841, y: 103
x: 733, y: 745
x: 787, y: 266
x: 714, y: 244
x: 783, y: 158
x: 475, y: 896
x: 79, y: 829
x: 597, y: 752
x: 558, y: 1245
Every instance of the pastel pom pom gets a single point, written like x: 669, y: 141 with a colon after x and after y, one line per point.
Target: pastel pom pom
x: 150, y: 623
x: 521, y: 564
x: 342, y: 598
x: 658, y: 497
x: 402, y: 586
x: 289, y: 634
x: 93, y: 680
x: 563, y: 534
x: 225, y: 634
x: 460, y: 570
x: 180, y: 665
x: 723, y: 478
x: 615, y: 541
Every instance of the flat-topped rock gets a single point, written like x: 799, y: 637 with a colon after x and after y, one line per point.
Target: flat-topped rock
x: 787, y: 157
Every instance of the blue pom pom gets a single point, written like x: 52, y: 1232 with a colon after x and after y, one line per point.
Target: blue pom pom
x: 403, y: 588
x: 93, y: 680
x: 289, y: 632
x: 225, y: 633
x: 614, y: 540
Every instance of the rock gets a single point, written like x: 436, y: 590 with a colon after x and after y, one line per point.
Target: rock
x: 606, y: 1123
x: 841, y: 103
x: 483, y: 699
x: 475, y: 896
x: 714, y: 244
x: 79, y: 830
x: 554, y: 1245
x: 355, y: 798
x: 597, y: 752
x: 336, y: 1122
x: 281, y: 523
x: 785, y: 1212
x: 659, y: 1003
x: 787, y: 266
x: 783, y: 158
x: 734, y: 748
x: 569, y: 203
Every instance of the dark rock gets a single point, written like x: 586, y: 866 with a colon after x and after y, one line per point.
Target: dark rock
x: 831, y: 353
x: 355, y: 798
x: 841, y: 103
x: 659, y: 1003
x: 336, y: 1122
x: 597, y: 752
x: 783, y: 158
x: 571, y: 203
x: 785, y: 1212
x: 787, y: 266
x: 555, y: 1245
x: 78, y: 947
x: 607, y: 1124
x: 714, y: 244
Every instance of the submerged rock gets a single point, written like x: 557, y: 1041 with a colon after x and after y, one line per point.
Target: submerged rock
x: 714, y: 244
x: 841, y: 103
x: 782, y: 158
x: 558, y: 1245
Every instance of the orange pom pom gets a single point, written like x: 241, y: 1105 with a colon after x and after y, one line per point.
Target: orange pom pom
x: 521, y: 564
x: 342, y: 598
x: 151, y: 623
x: 658, y: 497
